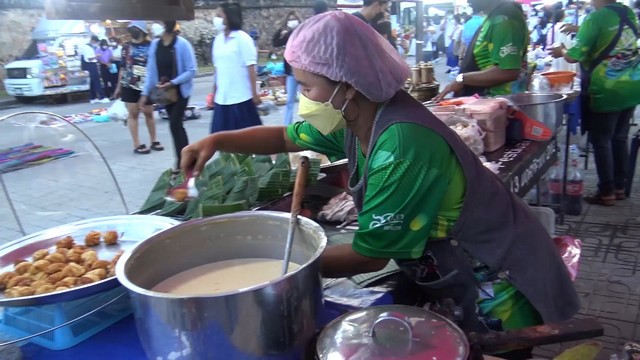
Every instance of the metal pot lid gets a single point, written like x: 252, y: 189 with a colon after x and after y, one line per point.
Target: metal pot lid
x: 392, y: 332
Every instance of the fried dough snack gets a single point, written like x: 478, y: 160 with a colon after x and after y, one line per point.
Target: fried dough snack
x: 92, y: 238
x: 20, y: 291
x: 66, y: 243
x: 68, y: 266
x: 110, y: 237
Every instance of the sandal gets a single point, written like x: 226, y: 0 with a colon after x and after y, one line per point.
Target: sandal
x: 621, y: 195
x: 157, y: 146
x: 142, y: 150
x: 599, y: 199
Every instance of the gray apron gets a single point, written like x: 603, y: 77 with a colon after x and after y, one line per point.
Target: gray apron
x: 495, y: 228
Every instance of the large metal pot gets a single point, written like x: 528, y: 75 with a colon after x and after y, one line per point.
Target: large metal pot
x: 274, y: 320
x: 545, y: 108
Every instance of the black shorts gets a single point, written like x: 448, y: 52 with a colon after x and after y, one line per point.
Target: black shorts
x: 132, y: 96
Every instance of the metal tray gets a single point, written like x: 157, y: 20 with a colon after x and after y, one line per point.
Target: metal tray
x: 131, y: 228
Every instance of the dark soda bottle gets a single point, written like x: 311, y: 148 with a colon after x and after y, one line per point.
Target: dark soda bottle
x: 554, y: 184
x: 575, y: 188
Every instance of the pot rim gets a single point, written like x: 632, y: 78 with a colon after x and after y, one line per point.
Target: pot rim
x: 302, y: 221
x: 562, y: 97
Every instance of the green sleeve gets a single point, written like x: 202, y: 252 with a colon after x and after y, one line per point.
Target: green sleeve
x: 407, y: 188
x: 507, y: 43
x: 586, y: 40
x: 307, y: 137
x: 401, y: 203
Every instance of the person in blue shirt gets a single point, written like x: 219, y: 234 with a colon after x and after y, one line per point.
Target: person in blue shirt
x: 469, y: 30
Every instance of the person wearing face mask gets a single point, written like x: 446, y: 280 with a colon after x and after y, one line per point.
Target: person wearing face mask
x: 372, y: 11
x: 421, y: 193
x: 234, y: 55
x: 131, y: 82
x: 89, y: 63
x: 117, y: 51
x: 104, y: 54
x: 280, y: 39
x: 171, y: 63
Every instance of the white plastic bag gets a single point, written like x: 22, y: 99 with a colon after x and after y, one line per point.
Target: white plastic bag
x: 118, y: 111
x: 469, y: 131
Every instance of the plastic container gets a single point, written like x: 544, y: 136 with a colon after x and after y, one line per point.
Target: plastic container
x: 443, y: 112
x: 559, y: 77
x: 547, y: 217
x: 491, y: 115
x: 24, y: 321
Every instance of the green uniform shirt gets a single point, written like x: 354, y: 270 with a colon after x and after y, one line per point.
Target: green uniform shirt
x: 502, y: 42
x: 611, y: 89
x: 415, y: 192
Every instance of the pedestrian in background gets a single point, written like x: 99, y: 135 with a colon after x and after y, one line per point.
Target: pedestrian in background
x: 171, y: 64
x: 280, y: 39
x: 89, y: 63
x: 235, y: 56
x: 104, y: 54
x: 131, y: 82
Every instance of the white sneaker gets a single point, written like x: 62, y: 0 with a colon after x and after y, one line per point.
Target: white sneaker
x: 105, y: 100
x: 94, y: 101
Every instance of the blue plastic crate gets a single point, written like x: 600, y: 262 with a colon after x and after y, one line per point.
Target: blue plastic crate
x: 24, y: 321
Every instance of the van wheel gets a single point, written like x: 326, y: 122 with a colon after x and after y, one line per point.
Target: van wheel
x: 26, y: 99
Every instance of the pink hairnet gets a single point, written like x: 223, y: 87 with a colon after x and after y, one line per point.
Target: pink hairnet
x: 346, y: 49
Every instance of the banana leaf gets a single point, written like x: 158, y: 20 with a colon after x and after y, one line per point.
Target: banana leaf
x: 156, y: 199
x: 172, y: 208
x: 262, y: 159
x: 238, y: 192
x: 213, y: 193
x: 214, y: 210
x: 194, y: 210
x: 282, y: 162
x: 247, y: 165
x: 261, y: 169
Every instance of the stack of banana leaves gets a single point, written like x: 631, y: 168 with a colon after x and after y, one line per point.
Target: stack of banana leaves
x: 229, y: 183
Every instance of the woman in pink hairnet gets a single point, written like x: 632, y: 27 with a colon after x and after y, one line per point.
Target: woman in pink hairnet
x: 424, y: 199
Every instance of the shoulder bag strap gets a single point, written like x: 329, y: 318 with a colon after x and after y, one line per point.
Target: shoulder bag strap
x: 624, y: 20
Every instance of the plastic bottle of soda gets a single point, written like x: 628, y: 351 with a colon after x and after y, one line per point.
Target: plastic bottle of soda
x: 554, y: 184
x: 575, y: 188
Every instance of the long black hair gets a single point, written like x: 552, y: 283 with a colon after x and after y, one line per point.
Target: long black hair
x: 233, y: 13
x: 170, y: 26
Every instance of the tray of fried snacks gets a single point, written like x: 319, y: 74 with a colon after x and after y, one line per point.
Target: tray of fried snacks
x: 71, y: 261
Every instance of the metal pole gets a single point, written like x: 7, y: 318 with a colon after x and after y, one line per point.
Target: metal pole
x: 419, y: 30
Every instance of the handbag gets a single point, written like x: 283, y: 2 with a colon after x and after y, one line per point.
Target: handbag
x: 167, y: 96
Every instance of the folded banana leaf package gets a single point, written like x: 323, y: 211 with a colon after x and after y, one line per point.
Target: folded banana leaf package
x: 229, y: 183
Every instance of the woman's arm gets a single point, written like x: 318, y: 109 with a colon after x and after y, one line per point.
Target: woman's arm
x: 254, y: 140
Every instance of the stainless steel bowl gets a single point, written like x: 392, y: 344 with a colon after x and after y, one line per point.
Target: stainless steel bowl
x: 274, y: 320
x: 132, y: 229
x: 545, y: 108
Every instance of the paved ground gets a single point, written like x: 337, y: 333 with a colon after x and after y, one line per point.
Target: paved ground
x: 82, y: 187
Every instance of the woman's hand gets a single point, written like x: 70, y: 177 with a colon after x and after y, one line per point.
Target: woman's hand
x: 117, y: 92
x: 256, y: 99
x: 451, y: 88
x: 569, y: 29
x: 196, y: 155
x: 558, y: 51
x: 166, y: 85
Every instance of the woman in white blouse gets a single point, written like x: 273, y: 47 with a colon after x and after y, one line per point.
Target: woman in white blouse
x: 234, y: 59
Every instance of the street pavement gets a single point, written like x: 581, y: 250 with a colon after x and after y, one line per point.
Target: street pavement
x: 82, y: 186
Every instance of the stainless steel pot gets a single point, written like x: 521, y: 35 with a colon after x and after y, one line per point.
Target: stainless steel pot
x: 275, y: 320
x: 545, y: 108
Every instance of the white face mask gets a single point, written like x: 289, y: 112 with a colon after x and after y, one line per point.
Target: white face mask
x: 218, y: 24
x: 292, y: 24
